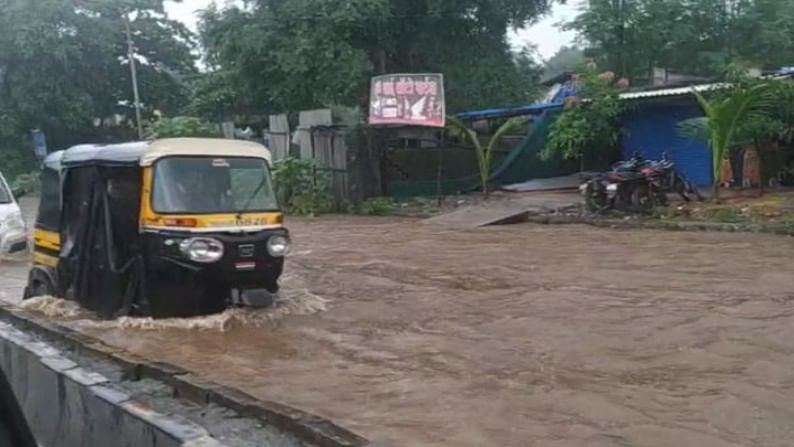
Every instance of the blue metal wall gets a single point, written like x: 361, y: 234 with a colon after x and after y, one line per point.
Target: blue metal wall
x: 652, y: 129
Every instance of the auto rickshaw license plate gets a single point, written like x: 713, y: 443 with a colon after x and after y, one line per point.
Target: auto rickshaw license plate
x: 245, y: 265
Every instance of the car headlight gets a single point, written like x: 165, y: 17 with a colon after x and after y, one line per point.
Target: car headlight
x: 203, y: 250
x: 13, y: 222
x: 278, y: 246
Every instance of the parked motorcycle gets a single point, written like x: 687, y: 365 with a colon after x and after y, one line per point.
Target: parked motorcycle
x: 667, y: 178
x: 624, y: 188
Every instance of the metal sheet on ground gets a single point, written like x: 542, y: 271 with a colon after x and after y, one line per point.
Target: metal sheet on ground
x: 505, y: 211
x: 549, y: 184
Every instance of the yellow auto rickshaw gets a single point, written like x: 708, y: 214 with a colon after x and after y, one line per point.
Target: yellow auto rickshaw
x: 167, y: 228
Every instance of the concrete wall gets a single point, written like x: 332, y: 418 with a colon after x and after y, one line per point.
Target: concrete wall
x: 69, y: 406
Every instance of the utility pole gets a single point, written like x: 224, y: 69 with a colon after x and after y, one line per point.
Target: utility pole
x: 134, y: 73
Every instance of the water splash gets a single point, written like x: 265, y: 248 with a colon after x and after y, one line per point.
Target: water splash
x: 294, y: 299
x: 304, y: 304
x: 56, y: 308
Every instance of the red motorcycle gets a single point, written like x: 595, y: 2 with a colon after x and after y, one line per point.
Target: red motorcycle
x: 625, y: 188
x: 665, y: 178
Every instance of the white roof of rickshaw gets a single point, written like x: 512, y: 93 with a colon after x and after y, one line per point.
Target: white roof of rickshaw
x: 146, y: 153
x: 203, y: 147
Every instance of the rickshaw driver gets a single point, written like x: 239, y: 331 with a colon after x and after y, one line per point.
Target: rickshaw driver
x: 189, y: 192
x: 197, y: 192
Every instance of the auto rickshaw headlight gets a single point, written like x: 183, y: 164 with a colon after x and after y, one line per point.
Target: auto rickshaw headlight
x: 278, y: 246
x: 203, y: 250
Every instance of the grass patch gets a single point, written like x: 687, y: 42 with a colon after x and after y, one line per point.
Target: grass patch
x: 726, y: 215
x: 380, y: 206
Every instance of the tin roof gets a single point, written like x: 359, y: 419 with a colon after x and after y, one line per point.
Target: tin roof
x: 677, y: 91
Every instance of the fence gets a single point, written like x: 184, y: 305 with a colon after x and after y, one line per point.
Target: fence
x: 318, y: 140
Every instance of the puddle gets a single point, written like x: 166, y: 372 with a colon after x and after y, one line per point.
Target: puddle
x: 294, y: 299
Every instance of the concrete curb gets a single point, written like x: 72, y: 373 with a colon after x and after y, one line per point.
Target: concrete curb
x: 307, y: 427
x: 69, y: 406
x: 655, y: 224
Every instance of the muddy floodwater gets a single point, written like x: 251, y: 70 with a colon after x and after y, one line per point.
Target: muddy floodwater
x: 418, y: 335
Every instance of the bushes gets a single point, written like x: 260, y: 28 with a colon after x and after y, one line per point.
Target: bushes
x: 15, y: 162
x: 380, y: 206
x: 27, y: 183
x: 301, y: 189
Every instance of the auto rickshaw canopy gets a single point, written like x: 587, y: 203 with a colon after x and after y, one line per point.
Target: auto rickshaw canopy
x: 146, y: 153
x: 90, y: 210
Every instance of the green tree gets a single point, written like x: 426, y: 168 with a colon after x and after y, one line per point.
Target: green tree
x: 588, y: 125
x: 64, y: 69
x: 631, y: 37
x: 724, y: 114
x: 766, y: 33
x: 566, y: 59
x: 182, y: 126
x: 299, y: 54
x: 484, y: 152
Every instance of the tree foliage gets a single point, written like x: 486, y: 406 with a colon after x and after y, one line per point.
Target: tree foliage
x: 64, y: 69
x: 590, y: 125
x: 631, y: 37
x: 301, y: 189
x: 182, y: 127
x: 287, y: 55
x: 724, y: 114
x: 566, y: 59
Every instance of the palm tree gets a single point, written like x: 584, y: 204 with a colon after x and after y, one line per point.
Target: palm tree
x: 723, y: 116
x: 484, y: 153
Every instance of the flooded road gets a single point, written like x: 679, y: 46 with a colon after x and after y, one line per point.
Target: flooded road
x: 514, y: 336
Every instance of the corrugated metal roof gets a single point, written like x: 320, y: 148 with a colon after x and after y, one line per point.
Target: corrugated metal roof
x: 678, y: 91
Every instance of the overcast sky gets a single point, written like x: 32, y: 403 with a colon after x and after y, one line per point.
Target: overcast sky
x: 545, y: 34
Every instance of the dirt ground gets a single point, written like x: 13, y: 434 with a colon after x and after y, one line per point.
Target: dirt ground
x: 518, y: 336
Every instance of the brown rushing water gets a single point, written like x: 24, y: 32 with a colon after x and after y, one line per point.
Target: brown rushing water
x: 517, y: 336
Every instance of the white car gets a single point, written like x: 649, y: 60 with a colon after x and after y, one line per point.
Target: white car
x: 13, y: 233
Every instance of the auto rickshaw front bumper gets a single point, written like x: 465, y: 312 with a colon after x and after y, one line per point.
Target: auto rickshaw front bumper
x: 179, y: 285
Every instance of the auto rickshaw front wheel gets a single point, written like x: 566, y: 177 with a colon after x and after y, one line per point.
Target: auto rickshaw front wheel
x: 39, y: 284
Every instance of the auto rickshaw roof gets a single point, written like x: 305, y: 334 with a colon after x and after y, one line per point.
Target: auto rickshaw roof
x: 53, y: 161
x: 203, y: 147
x: 146, y: 153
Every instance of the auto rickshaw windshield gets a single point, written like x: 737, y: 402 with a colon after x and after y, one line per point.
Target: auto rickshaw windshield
x: 201, y: 185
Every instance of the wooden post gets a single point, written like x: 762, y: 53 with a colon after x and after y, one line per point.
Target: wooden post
x: 439, y: 175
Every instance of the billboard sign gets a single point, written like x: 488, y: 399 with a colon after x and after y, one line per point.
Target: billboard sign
x: 408, y: 99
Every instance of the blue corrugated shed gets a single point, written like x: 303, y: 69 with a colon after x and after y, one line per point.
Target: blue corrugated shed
x: 652, y: 128
x: 531, y: 109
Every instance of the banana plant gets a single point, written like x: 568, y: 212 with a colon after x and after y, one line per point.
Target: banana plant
x: 723, y: 115
x: 484, y: 152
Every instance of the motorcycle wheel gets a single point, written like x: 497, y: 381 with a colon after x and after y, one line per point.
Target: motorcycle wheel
x: 595, y: 198
x: 660, y: 197
x: 642, y: 199
x: 695, y: 191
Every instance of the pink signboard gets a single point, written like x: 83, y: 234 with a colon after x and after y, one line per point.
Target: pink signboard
x: 408, y: 99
